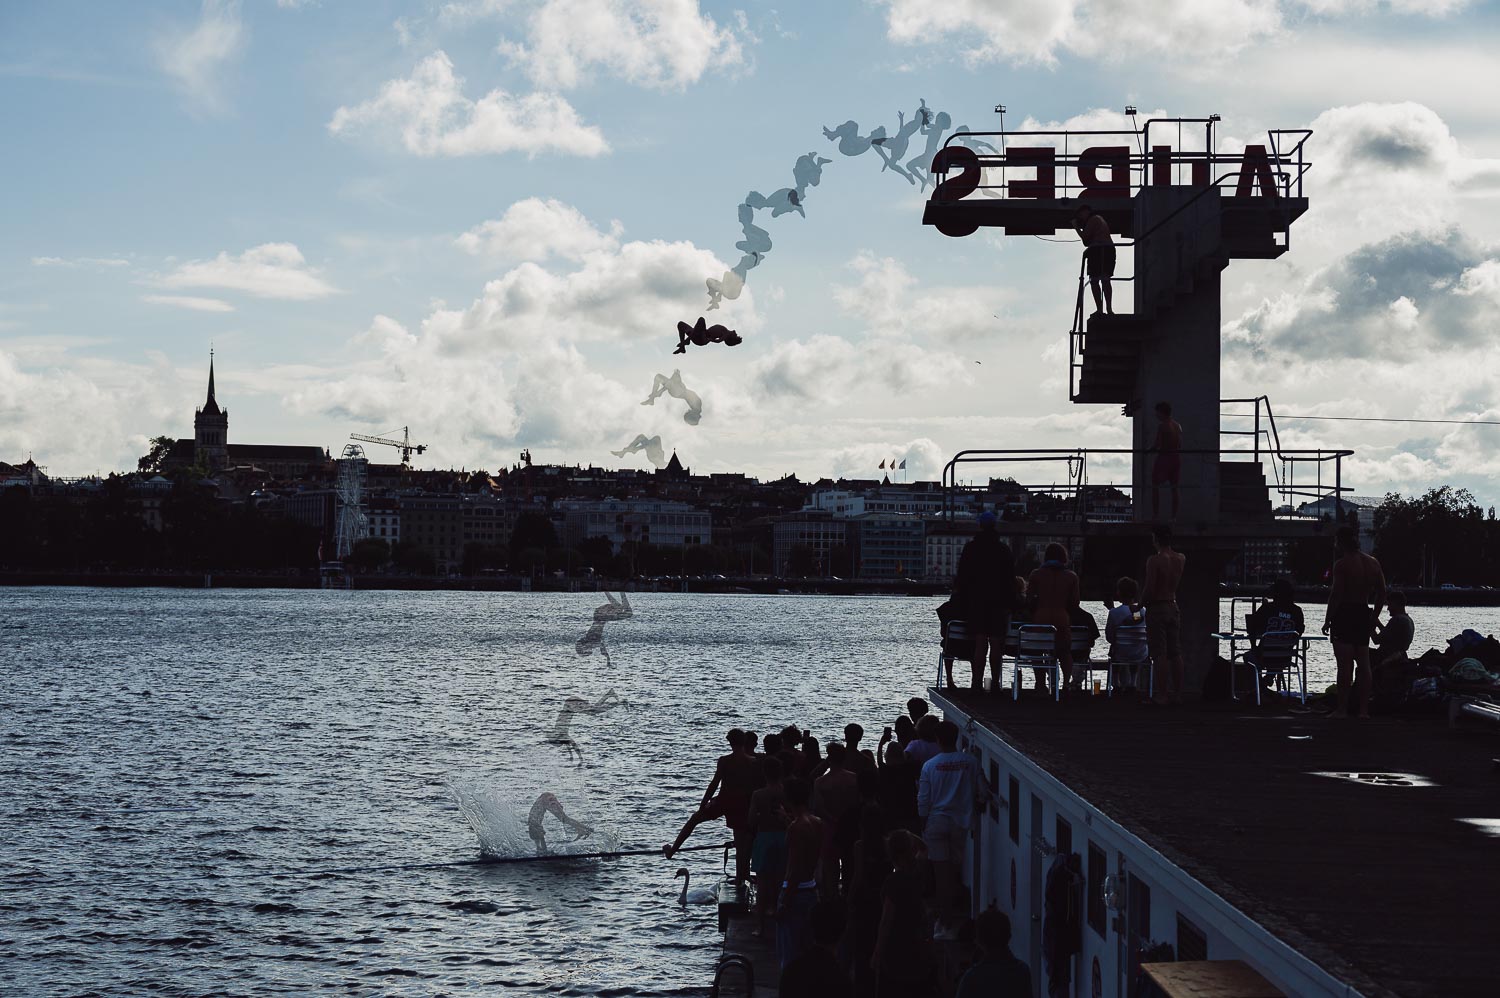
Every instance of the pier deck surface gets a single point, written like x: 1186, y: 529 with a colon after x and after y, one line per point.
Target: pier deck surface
x: 1386, y: 887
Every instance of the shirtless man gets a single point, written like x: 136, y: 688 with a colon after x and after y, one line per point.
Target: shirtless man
x: 548, y: 804
x: 674, y: 387
x: 1166, y: 469
x: 1163, y: 616
x: 736, y: 777
x: 701, y: 335
x: 612, y: 609
x: 836, y: 801
x: 799, y: 891
x: 577, y: 705
x: 1099, y: 250
x: 1349, y: 623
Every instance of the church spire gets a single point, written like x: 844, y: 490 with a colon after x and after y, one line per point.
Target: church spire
x: 212, y: 405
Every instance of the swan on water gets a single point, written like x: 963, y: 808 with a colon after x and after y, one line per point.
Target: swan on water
x: 702, y: 895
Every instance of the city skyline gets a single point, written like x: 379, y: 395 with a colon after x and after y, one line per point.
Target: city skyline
x: 410, y: 214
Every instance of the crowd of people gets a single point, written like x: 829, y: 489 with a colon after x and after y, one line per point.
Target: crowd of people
x: 856, y: 856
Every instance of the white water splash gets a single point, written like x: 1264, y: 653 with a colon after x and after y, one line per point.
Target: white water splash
x: 499, y: 822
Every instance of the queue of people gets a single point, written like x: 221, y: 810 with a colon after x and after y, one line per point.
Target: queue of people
x: 856, y: 857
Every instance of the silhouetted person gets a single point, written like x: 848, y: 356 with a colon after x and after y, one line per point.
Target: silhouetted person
x: 949, y: 791
x: 548, y: 804
x: 816, y: 972
x: 836, y: 801
x: 1163, y: 615
x: 916, y: 709
x: 1054, y: 589
x: 925, y: 745
x: 1350, y: 623
x: 611, y: 611
x: 757, y: 241
x: 674, y: 387
x: 1099, y: 252
x: 1166, y: 467
x: 808, y: 172
x: 902, y: 960
x: 700, y: 334
x: 983, y: 589
x: 651, y: 445
x: 997, y: 973
x: 728, y: 796
x: 767, y: 828
x: 1393, y: 638
x: 799, y: 891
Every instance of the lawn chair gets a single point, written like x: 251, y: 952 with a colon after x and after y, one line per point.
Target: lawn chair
x: 1277, y: 653
x: 1036, y: 648
x: 956, y: 643
x: 1130, y: 651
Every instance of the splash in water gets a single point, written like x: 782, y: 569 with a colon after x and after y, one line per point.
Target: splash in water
x: 500, y: 822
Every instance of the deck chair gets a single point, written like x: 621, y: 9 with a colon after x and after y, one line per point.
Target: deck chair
x: 1036, y: 648
x: 1130, y: 651
x: 1276, y: 654
x: 955, y: 638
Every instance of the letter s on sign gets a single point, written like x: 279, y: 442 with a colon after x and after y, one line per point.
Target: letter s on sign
x: 956, y: 188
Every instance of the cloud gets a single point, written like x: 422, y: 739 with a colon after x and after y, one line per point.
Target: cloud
x: 535, y: 229
x: 189, y: 302
x: 662, y: 44
x: 81, y: 261
x: 1416, y: 292
x: 924, y: 460
x: 1029, y: 31
x: 890, y: 303
x: 534, y: 358
x: 271, y: 270
x: 193, y: 57
x: 825, y: 370
x: 432, y: 117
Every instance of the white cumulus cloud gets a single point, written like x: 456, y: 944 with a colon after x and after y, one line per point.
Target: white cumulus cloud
x: 432, y: 116
x: 271, y: 270
x: 536, y: 229
x: 189, y: 302
x: 665, y: 44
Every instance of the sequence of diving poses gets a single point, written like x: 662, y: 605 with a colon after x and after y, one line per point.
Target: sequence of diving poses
x: 561, y: 733
x: 612, y: 610
x: 925, y: 130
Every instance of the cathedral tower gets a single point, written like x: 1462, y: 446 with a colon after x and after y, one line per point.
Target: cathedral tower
x: 211, y: 429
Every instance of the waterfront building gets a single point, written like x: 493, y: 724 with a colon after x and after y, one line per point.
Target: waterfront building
x: 945, y: 543
x: 811, y: 542
x: 643, y: 521
x: 889, y: 546
x: 383, y: 514
x: 1363, y: 507
x: 435, y: 524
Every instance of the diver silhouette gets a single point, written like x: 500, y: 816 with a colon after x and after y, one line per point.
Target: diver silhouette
x: 851, y: 143
x: 549, y: 804
x: 560, y: 734
x: 757, y: 241
x: 729, y: 286
x: 699, y: 335
x: 612, y: 610
x: 674, y: 387
x: 933, y: 127
x: 893, y: 148
x: 652, y: 447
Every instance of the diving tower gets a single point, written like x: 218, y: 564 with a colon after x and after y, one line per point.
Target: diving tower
x: 1184, y: 211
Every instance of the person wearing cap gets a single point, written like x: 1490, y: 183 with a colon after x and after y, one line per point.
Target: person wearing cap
x: 984, y: 591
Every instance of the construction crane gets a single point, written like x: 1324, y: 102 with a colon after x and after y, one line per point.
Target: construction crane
x: 404, y: 445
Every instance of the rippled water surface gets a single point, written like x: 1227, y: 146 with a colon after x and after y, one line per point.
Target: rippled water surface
x: 199, y: 785
x: 178, y: 766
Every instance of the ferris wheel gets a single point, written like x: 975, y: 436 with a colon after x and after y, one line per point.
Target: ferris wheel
x: 350, y: 525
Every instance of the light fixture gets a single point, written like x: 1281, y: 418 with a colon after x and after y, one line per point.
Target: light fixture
x: 1213, y: 117
x: 999, y: 108
x: 1130, y: 110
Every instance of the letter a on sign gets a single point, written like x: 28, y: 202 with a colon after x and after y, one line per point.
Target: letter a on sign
x: 1256, y: 168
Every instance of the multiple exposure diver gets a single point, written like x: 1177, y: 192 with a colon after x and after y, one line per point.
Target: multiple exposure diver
x: 674, y: 387
x: 548, y: 804
x: 594, y: 638
x: 560, y: 734
x: 651, y: 445
x: 702, y: 335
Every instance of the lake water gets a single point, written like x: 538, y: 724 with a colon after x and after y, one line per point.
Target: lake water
x: 181, y: 770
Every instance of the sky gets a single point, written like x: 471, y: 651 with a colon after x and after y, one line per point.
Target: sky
x: 483, y: 219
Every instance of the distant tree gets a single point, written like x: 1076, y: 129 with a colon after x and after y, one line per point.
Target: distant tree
x: 1440, y: 536
x: 156, y: 458
x: 369, y: 554
x: 413, y: 558
x: 478, y: 556
x: 532, y: 530
x: 597, y: 553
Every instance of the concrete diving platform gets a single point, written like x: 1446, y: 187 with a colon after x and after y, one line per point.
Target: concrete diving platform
x: 1333, y: 856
